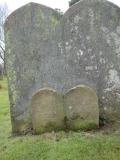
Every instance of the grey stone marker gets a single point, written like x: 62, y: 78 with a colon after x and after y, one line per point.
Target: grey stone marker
x: 81, y: 106
x: 91, y: 49
x: 43, y: 51
x: 47, y: 111
x: 30, y: 56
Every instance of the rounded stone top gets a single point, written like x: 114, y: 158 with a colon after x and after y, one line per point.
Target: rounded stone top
x: 82, y: 88
x: 44, y: 91
x: 82, y: 4
x: 27, y: 7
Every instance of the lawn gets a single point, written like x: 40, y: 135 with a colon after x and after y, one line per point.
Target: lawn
x: 95, y: 145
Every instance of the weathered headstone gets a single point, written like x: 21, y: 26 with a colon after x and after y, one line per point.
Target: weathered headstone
x: 81, y: 106
x: 30, y: 55
x: 91, y: 49
x: 44, y: 51
x: 47, y: 111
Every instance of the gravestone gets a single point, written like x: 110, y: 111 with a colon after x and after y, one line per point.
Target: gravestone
x: 81, y: 107
x: 91, y: 49
x: 47, y: 111
x: 44, y: 51
x: 30, y: 56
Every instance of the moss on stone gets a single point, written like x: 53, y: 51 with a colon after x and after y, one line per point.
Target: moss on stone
x: 51, y: 126
x: 114, y: 116
x: 54, y: 22
x: 21, y: 127
x: 11, y: 73
x: 82, y: 125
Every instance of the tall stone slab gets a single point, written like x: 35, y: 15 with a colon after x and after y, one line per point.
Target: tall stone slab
x: 30, y: 56
x: 91, y: 44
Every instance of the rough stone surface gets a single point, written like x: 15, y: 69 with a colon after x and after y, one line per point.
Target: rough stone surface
x: 81, y: 48
x: 81, y: 106
x: 47, y: 111
x: 91, y: 49
x: 30, y: 56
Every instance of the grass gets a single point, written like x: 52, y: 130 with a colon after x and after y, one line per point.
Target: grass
x: 54, y: 146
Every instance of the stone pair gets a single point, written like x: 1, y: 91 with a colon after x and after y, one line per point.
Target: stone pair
x: 77, y: 109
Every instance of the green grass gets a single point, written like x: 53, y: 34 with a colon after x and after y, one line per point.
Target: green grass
x: 54, y: 146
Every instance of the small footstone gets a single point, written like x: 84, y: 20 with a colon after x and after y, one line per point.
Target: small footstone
x: 47, y: 111
x: 81, y: 105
